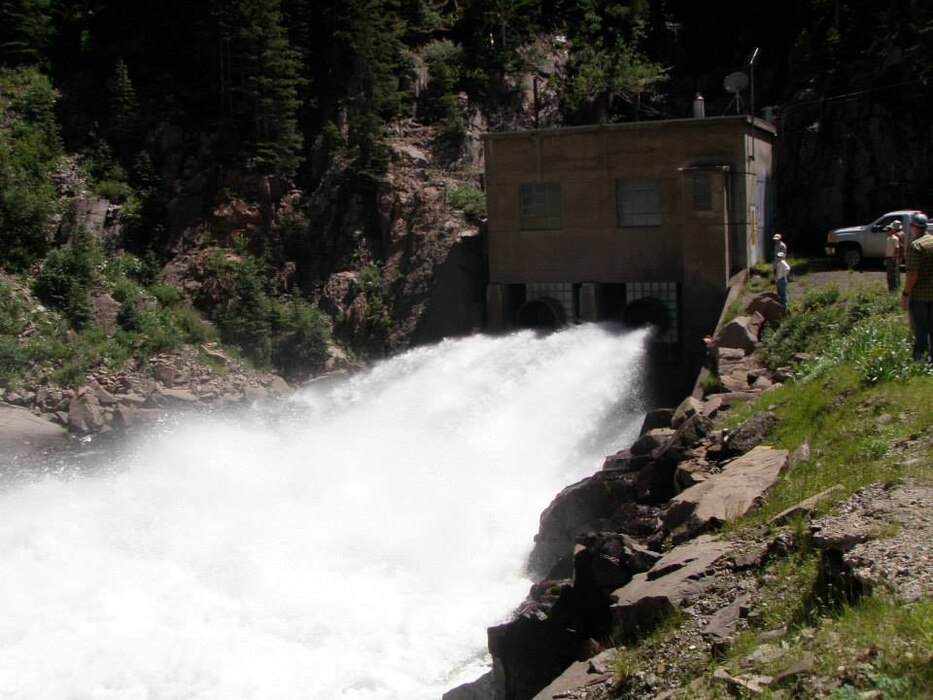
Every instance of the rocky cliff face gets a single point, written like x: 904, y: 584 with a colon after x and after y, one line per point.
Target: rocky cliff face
x: 846, y: 163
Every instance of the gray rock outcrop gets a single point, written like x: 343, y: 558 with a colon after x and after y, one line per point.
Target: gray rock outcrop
x: 725, y: 496
x: 24, y: 435
x: 679, y: 575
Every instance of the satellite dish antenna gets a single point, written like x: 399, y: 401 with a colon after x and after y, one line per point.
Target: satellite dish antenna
x: 735, y: 83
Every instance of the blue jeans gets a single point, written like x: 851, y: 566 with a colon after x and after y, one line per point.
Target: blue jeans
x: 782, y: 290
x: 921, y: 321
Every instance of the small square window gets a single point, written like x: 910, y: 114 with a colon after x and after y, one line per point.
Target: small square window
x: 540, y: 205
x: 702, y: 192
x: 638, y: 202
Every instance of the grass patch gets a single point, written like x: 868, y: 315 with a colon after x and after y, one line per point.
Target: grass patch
x: 862, y: 406
x: 877, y: 644
x: 858, y: 435
x: 859, y: 402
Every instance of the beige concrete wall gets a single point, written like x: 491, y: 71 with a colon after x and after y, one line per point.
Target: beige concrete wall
x: 689, y: 247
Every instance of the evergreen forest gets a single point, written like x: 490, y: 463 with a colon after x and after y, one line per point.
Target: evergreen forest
x: 171, y: 109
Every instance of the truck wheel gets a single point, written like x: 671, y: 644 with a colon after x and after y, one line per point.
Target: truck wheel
x: 851, y: 256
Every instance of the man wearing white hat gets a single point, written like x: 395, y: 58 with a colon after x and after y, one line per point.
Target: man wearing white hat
x: 779, y: 245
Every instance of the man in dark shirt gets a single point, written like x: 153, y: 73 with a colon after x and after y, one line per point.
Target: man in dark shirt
x: 917, y: 297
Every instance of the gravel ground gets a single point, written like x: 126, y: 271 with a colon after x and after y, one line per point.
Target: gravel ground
x: 897, y: 524
x: 893, y: 528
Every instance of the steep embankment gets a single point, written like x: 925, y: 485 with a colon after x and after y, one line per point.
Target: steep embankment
x: 820, y: 581
x: 129, y: 340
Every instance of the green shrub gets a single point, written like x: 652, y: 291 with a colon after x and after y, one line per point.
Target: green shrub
x: 13, y: 311
x: 166, y: 295
x: 470, y: 199
x: 882, y: 350
x: 820, y: 297
x: 65, y: 280
x: 30, y: 147
x: 302, y: 338
x: 114, y: 190
x: 863, y: 326
x: 129, y: 317
x: 12, y: 358
x: 439, y: 102
x: 126, y: 290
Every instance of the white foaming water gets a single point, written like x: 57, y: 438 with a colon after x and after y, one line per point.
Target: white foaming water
x: 353, y: 543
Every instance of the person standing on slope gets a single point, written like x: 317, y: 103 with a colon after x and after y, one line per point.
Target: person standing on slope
x: 917, y: 297
x: 779, y: 247
x: 781, y: 271
x: 892, y: 255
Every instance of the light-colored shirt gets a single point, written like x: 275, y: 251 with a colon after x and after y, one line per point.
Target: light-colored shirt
x: 781, y: 269
x: 891, y: 245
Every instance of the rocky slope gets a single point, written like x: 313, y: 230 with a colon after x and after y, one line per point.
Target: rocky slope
x: 633, y: 549
x: 423, y: 280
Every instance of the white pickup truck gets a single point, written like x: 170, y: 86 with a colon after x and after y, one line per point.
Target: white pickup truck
x: 856, y: 243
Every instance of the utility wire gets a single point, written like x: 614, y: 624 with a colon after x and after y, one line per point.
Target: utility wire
x: 849, y: 95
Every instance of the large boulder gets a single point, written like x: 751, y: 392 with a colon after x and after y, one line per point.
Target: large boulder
x: 585, y: 506
x: 767, y: 305
x: 741, y: 333
x: 656, y: 418
x: 733, y: 367
x: 84, y: 414
x: 24, y: 435
x: 538, y: 644
x: 601, y: 564
x: 688, y: 408
x: 725, y: 496
x: 680, y: 575
x: 749, y: 434
x: 651, y: 440
x: 489, y: 686
x: 679, y: 446
x: 581, y: 678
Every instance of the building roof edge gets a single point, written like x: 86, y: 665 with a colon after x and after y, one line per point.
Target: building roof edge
x: 753, y: 122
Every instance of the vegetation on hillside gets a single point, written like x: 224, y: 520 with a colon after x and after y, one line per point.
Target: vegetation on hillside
x: 861, y: 404
x: 267, y: 95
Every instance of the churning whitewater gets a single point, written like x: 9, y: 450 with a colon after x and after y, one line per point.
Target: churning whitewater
x: 352, y: 543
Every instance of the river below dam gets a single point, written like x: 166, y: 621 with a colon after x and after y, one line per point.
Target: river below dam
x: 351, y: 543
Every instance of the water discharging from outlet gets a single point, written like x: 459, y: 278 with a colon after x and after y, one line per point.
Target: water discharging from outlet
x: 351, y: 543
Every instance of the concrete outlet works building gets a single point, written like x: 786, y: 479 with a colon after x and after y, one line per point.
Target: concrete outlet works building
x: 637, y: 222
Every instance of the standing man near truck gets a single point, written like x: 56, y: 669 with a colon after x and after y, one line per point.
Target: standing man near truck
x: 917, y: 297
x: 892, y: 255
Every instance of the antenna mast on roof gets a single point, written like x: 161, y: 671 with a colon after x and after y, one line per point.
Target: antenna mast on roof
x: 751, y: 69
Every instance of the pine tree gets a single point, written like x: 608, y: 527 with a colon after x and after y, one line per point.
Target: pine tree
x: 260, y: 74
x: 370, y: 35
x: 606, y: 61
x: 124, y: 132
x: 25, y: 31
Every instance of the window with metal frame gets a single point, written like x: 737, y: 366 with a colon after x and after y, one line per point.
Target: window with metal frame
x: 540, y: 206
x: 702, y: 191
x: 561, y: 292
x: 638, y: 202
